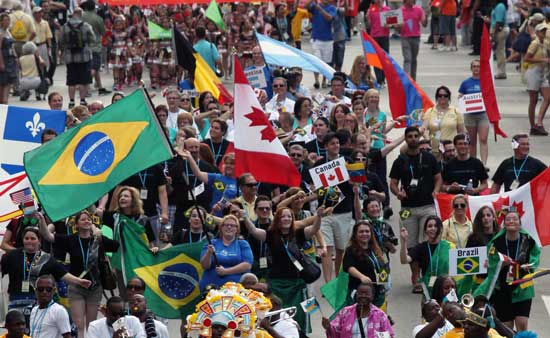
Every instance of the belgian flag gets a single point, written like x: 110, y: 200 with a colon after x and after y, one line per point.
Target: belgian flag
x: 204, y: 79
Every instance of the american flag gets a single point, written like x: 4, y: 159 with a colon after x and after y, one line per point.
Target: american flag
x: 22, y: 196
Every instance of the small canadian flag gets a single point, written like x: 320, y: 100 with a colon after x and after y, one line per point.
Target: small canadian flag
x: 329, y: 174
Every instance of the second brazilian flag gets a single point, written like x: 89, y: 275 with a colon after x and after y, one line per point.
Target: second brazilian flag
x: 79, y: 166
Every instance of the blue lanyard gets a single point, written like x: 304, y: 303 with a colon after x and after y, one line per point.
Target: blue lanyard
x: 36, y: 327
x: 218, y: 154
x: 518, y: 172
x: 437, y: 259
x: 378, y: 233
x: 191, y: 239
x: 143, y: 177
x: 87, y: 256
x: 318, y: 149
x: 517, y: 248
x: 26, y: 267
x: 187, y: 173
x: 374, y: 261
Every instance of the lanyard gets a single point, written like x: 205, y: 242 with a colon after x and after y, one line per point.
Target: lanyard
x: 517, y: 248
x: 143, y: 177
x: 378, y: 233
x: 318, y: 149
x: 187, y: 173
x: 86, y: 257
x: 216, y: 154
x: 263, y: 245
x: 437, y: 259
x: 191, y: 239
x: 374, y: 261
x: 26, y: 267
x: 36, y: 327
x: 419, y: 166
x: 518, y: 172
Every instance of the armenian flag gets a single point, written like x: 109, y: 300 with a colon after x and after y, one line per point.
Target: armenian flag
x: 406, y: 98
x: 76, y: 168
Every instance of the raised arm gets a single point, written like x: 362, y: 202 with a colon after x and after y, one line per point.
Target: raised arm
x: 45, y: 230
x: 259, y: 234
x: 403, y: 256
x: 186, y: 155
x: 311, y: 230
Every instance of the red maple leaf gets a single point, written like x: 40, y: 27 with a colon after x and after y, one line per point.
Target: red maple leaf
x: 258, y: 118
x: 518, y: 206
x: 497, y: 206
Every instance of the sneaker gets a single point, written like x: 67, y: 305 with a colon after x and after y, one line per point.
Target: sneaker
x: 83, y: 103
x: 25, y: 95
x: 103, y: 91
x: 538, y: 131
x: 71, y: 104
x: 316, y: 85
x: 500, y: 77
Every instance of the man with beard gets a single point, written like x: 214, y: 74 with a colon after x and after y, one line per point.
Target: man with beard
x: 152, y: 327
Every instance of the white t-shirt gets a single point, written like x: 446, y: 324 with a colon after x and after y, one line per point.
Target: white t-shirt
x: 439, y: 333
x: 50, y: 322
x: 172, y: 121
x: 272, y: 107
x: 162, y: 330
x: 99, y: 329
x: 327, y: 106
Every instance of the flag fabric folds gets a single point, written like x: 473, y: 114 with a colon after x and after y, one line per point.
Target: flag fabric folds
x: 156, y: 32
x: 257, y: 148
x: 406, y: 98
x: 214, y: 15
x: 336, y: 291
x: 12, y: 193
x: 89, y: 160
x: 530, y: 200
x: 166, y: 2
x: 172, y: 275
x: 280, y: 54
x: 356, y: 172
x: 204, y: 79
x: 487, y: 82
x: 21, y: 130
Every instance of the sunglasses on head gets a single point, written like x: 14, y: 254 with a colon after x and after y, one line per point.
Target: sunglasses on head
x: 459, y: 205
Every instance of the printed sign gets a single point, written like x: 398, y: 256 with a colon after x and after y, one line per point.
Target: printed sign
x: 256, y: 77
x: 467, y: 261
x: 393, y: 17
x: 471, y: 104
x: 329, y: 174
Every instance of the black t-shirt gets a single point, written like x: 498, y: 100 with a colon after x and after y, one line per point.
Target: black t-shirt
x: 180, y: 194
x: 373, y: 183
x: 109, y: 220
x: 423, y: 167
x: 280, y: 265
x: 259, y: 248
x: 421, y: 254
x: 346, y: 188
x: 218, y: 149
x: 462, y: 171
x: 12, y: 264
x: 185, y: 236
x: 526, y: 169
x: 510, y: 249
x: 316, y: 147
x: 70, y: 244
x: 365, y: 265
x: 473, y: 241
x: 149, y: 179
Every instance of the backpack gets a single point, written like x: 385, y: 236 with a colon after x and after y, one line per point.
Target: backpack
x: 19, y: 30
x: 75, y: 42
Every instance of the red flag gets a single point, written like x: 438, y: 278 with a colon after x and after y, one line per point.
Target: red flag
x: 257, y: 149
x: 486, y: 81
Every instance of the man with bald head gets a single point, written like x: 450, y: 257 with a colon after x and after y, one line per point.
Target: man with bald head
x: 184, y: 188
x: 95, y: 106
x: 258, y: 75
x: 151, y: 326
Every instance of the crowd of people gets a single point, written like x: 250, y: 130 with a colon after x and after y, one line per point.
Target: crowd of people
x: 261, y: 232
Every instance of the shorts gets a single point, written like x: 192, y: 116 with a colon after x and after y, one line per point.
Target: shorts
x: 506, y: 310
x: 338, y: 52
x: 447, y: 25
x: 96, y: 61
x: 79, y: 74
x: 336, y: 229
x: 323, y: 50
x: 535, y: 79
x: 476, y: 120
x: 90, y: 296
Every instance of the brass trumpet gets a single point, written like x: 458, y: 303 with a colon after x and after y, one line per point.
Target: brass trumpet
x: 290, y: 311
x: 467, y: 301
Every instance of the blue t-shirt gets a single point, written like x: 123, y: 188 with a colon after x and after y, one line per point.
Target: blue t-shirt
x: 498, y: 14
x: 321, y: 28
x: 469, y: 86
x: 208, y: 52
x: 221, y: 186
x: 228, y: 256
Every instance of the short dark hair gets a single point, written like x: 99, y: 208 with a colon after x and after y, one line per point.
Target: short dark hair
x: 114, y: 300
x: 410, y: 129
x: 242, y: 179
x: 222, y: 123
x: 337, y: 78
x: 52, y: 94
x: 519, y: 136
x: 14, y: 315
x: 261, y: 198
x: 46, y: 132
x: 47, y: 276
x: 445, y: 88
x: 344, y: 135
x: 459, y: 137
x: 445, y: 142
x: 438, y: 224
x: 329, y: 136
x: 200, y: 32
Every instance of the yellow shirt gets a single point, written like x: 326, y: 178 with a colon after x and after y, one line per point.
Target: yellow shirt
x: 28, y: 66
x: 296, y: 23
x: 43, y: 32
x: 538, y: 50
x: 455, y: 232
x: 442, y: 125
x: 459, y: 333
x: 249, y: 208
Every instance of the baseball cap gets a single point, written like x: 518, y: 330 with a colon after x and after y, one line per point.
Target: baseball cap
x: 540, y: 27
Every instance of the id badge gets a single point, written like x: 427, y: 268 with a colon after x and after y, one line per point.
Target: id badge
x: 286, y: 37
x: 432, y: 281
x: 25, y: 286
x: 437, y: 135
x: 84, y: 273
x: 383, y: 334
x: 414, y: 181
x: 143, y: 194
x: 263, y: 262
x: 199, y: 189
x: 118, y: 51
x: 510, y: 274
x: 168, y: 50
x: 67, y: 258
x: 514, y: 185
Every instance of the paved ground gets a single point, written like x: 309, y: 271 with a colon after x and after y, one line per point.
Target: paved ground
x: 435, y: 68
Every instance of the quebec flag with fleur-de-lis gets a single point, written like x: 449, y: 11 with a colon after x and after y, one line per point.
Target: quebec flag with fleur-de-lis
x: 21, y: 130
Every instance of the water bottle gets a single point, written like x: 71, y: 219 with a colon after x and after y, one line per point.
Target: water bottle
x: 470, y: 185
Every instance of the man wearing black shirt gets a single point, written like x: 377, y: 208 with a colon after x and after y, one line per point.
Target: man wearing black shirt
x: 519, y: 169
x: 316, y: 148
x: 458, y: 172
x: 420, y: 178
x: 217, y: 143
x: 336, y: 228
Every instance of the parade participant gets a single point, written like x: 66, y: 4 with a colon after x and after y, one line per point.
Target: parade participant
x: 117, y: 96
x: 196, y: 231
x: 379, y: 32
x: 360, y: 77
x: 499, y: 34
x: 338, y: 117
x: 151, y: 326
x: 420, y: 178
x: 477, y: 124
x: 443, y: 121
x: 248, y: 186
x: 162, y: 113
x: 208, y: 51
x: 484, y: 227
x: 512, y: 302
x: 315, y: 147
x: 442, y: 287
x: 457, y: 227
x: 382, y: 231
x: 302, y: 119
x: 279, y: 102
x: 362, y: 319
x: 372, y: 187
x: 263, y: 209
x: 135, y: 286
x: 431, y: 256
x: 90, y: 16
x: 129, y: 326
x: 323, y: 14
x: 519, y: 169
x: 413, y: 17
x: 172, y: 101
x: 447, y: 25
x: 436, y: 325
x: 233, y: 256
x: 283, y: 326
x: 335, y: 97
x: 48, y: 319
x: 15, y: 325
x: 217, y: 142
x: 8, y: 62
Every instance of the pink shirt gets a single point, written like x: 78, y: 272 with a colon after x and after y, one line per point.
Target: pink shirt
x: 412, y: 19
x: 376, y: 28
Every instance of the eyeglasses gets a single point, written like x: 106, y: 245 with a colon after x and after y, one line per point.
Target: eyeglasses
x: 278, y: 86
x: 263, y: 208
x: 361, y: 159
x: 443, y: 95
x: 459, y: 205
x: 251, y: 185
x: 139, y: 287
x: 186, y: 99
x: 295, y: 155
x: 44, y: 289
x: 230, y: 225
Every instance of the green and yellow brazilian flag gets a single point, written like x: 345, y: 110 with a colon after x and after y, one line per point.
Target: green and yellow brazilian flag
x: 75, y: 169
x: 172, y: 276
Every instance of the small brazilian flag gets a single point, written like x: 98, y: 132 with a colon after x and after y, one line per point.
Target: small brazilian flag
x: 467, y: 265
x: 76, y: 168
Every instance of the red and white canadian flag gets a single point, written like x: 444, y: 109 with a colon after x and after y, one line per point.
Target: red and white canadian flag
x: 329, y: 174
x: 531, y: 200
x: 257, y: 149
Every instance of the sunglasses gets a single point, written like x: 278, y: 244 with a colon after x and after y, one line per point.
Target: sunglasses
x: 295, y: 155
x: 361, y: 159
x: 251, y: 185
x: 443, y: 95
x: 459, y: 205
x: 185, y: 99
x: 230, y: 225
x: 263, y: 208
x: 139, y: 287
x: 278, y: 86
x: 44, y: 289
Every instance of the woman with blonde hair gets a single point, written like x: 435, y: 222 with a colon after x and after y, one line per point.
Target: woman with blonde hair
x: 457, y: 228
x: 360, y: 76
